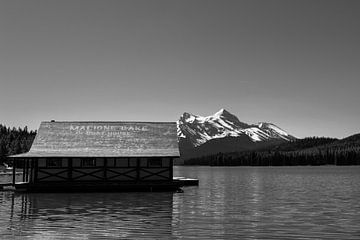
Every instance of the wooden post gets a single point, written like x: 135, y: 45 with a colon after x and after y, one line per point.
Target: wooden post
x: 35, y: 164
x: 70, y: 168
x: 14, y: 171
x: 171, y: 166
x: 105, y: 169
x: 24, y: 169
x: 138, y: 169
x: 27, y: 171
x: 31, y: 170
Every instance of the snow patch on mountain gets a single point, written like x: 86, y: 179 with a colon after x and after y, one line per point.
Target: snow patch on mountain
x: 198, y: 129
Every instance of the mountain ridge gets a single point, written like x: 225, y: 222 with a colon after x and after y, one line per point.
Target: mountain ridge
x: 196, y: 133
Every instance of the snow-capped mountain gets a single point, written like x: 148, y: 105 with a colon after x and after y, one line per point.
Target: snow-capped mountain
x: 198, y: 130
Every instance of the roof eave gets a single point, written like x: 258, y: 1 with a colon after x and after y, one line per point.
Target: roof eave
x: 88, y: 156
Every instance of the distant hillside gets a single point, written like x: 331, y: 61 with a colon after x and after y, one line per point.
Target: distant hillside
x: 304, y: 143
x: 351, y: 143
x: 307, y: 151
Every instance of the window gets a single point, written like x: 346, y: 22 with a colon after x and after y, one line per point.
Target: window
x: 88, y: 162
x: 166, y: 162
x: 132, y: 162
x: 110, y: 162
x: 143, y: 162
x: 154, y: 162
x: 122, y: 162
x: 53, y: 162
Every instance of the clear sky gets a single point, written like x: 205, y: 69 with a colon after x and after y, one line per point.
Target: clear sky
x: 292, y: 63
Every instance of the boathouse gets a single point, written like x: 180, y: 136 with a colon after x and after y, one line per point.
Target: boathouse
x: 99, y: 156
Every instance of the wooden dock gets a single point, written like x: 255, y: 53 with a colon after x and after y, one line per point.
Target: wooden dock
x: 187, y: 181
x: 151, y: 186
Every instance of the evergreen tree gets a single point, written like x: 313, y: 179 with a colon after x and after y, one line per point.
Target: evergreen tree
x: 14, y: 141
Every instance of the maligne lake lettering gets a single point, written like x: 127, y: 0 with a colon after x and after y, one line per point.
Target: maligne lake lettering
x: 107, y: 129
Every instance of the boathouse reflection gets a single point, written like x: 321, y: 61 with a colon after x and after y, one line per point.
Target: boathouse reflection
x: 93, y: 215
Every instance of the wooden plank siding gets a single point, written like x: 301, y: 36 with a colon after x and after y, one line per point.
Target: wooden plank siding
x: 104, y: 169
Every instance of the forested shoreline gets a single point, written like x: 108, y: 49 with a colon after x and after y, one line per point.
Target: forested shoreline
x: 14, y: 141
x: 278, y: 159
x: 308, y: 151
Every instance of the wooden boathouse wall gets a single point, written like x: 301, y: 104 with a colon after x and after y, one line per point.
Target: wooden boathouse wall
x: 103, y: 169
x: 101, y: 152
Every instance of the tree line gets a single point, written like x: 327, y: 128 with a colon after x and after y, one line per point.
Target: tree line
x: 14, y: 141
x: 308, y: 151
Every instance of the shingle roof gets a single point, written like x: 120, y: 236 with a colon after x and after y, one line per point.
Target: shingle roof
x: 104, y: 139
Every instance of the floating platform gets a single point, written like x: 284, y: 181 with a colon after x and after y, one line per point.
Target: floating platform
x: 151, y: 186
x: 187, y: 181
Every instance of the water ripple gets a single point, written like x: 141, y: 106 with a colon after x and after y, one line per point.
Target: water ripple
x: 230, y: 203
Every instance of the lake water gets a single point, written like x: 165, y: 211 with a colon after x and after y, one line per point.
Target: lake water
x: 230, y: 203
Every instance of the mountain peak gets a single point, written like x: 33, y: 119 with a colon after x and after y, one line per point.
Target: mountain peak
x: 188, y: 117
x: 222, y: 112
x: 222, y: 124
x: 227, y: 116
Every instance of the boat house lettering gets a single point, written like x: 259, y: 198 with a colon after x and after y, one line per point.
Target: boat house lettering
x: 92, y: 128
